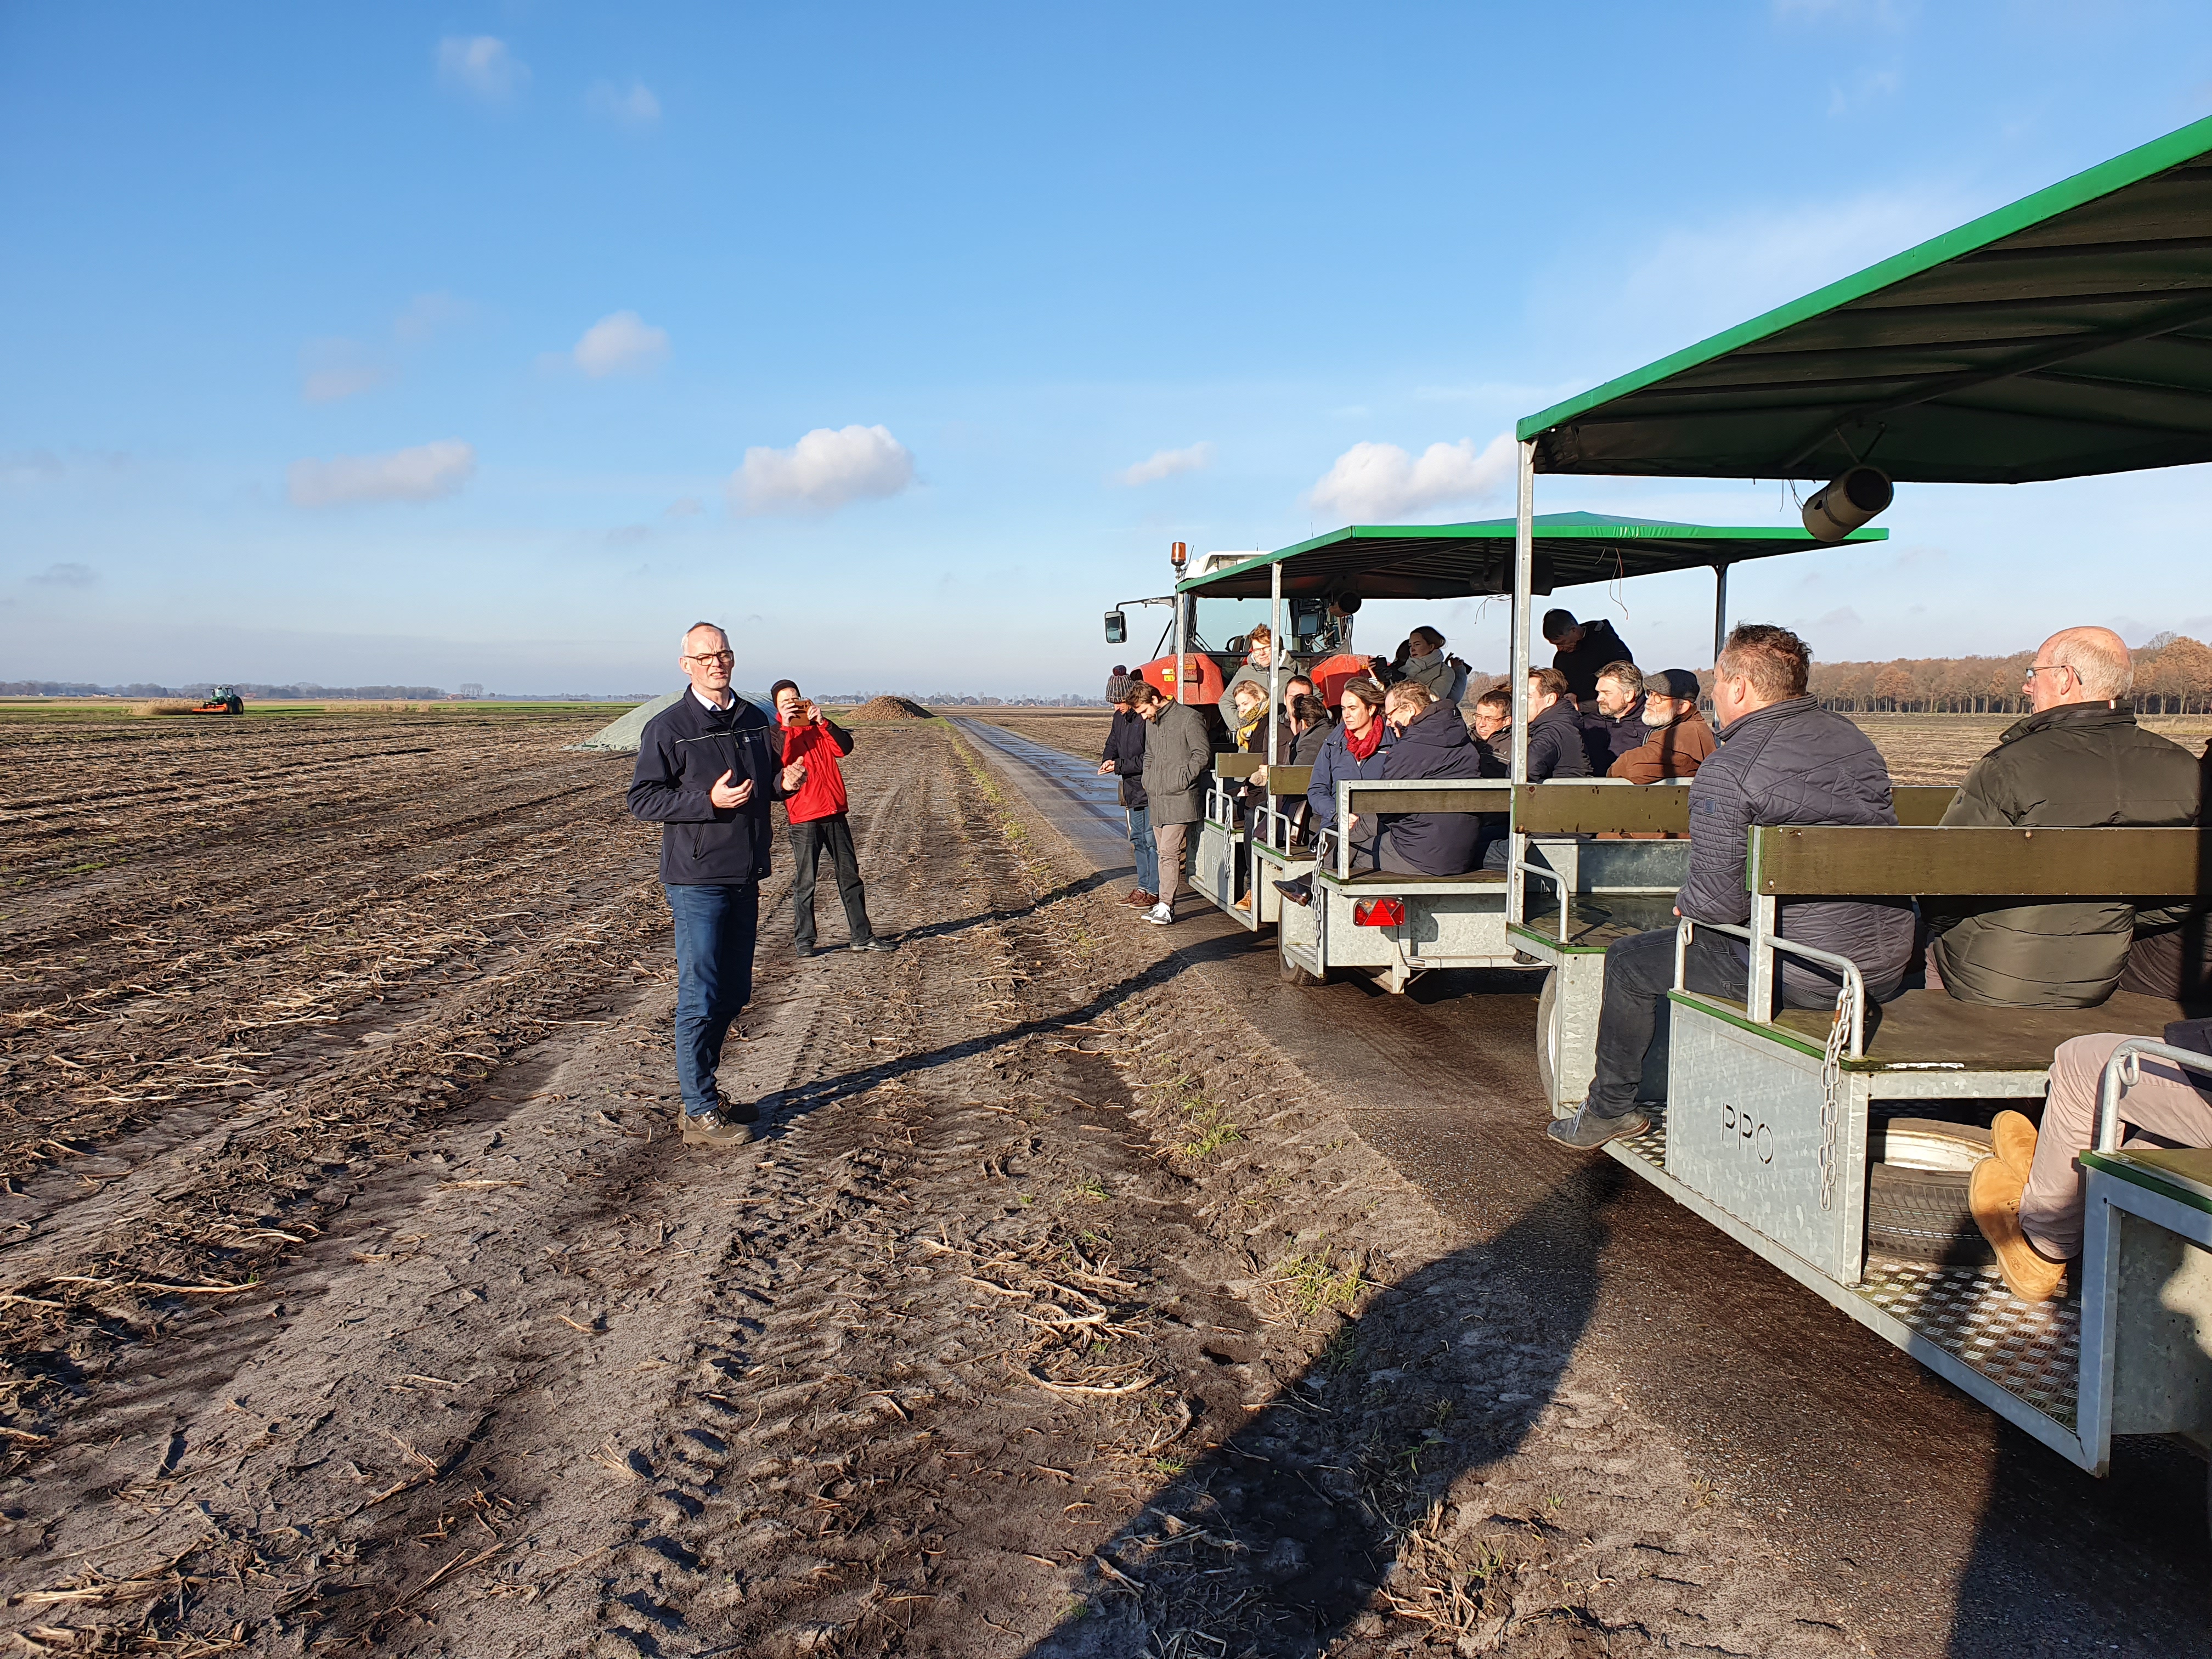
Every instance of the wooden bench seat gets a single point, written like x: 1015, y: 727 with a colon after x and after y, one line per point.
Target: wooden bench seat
x: 1925, y: 1028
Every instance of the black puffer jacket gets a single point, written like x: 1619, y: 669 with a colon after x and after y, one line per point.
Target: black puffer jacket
x: 1555, y: 744
x: 1796, y: 762
x: 683, y: 749
x: 2080, y: 766
x: 1437, y: 745
x: 1125, y: 748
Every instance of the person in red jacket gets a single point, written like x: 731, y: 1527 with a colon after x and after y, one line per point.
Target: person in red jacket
x: 818, y: 824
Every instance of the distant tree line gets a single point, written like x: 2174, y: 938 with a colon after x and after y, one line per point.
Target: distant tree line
x: 245, y: 689
x: 2174, y: 676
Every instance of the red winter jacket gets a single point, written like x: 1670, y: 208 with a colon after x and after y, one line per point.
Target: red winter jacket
x: 823, y: 794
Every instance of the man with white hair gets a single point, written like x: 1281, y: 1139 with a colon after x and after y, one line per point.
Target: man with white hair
x: 2078, y: 761
x: 707, y: 765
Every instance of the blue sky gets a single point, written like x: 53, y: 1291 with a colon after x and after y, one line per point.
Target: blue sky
x: 485, y: 343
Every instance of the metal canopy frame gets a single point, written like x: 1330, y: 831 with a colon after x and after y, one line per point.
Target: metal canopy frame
x: 2066, y: 335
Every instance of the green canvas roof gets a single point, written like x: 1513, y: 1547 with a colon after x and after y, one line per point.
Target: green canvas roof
x: 2068, y: 334
x: 1457, y: 561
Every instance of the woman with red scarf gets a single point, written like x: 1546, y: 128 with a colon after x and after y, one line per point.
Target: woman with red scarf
x: 1355, y: 749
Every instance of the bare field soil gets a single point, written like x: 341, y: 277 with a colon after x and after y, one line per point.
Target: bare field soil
x: 355, y: 1293
x: 1922, y: 749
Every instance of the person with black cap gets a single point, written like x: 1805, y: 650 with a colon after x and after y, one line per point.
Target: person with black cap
x: 1676, y: 739
x: 1125, y: 757
x: 1580, y: 650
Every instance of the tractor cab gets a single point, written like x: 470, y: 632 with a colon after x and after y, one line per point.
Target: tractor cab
x: 1216, y: 636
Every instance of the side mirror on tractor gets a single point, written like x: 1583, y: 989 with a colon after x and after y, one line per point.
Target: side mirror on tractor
x: 1117, y: 628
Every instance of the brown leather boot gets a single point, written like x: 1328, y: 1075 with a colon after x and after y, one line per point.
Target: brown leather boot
x: 713, y: 1129
x: 2013, y: 1135
x: 1993, y: 1193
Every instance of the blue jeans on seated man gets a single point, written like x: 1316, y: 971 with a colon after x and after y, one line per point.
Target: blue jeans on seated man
x: 714, y: 931
x: 1639, y: 971
x: 1143, y: 848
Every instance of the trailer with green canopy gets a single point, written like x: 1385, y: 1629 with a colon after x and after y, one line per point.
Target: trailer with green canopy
x: 2066, y: 336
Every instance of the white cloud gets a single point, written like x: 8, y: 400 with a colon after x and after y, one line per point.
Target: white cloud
x: 67, y: 576
x: 632, y: 105
x: 332, y: 370
x: 823, y: 470
x: 685, y: 507
x: 1166, y: 463
x: 623, y: 343
x: 481, y: 66
x: 1377, y: 483
x: 1870, y: 86
x: 422, y: 474
x: 426, y: 313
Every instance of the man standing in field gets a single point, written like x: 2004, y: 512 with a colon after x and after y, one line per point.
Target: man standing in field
x: 707, y: 765
x: 818, y: 823
x: 1125, y: 757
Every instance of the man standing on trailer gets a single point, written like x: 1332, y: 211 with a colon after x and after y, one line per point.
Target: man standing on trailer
x: 1782, y: 759
x: 1259, y: 661
x: 1581, y: 650
x: 818, y: 820
x: 707, y: 765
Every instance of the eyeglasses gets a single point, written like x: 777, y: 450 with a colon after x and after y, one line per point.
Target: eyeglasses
x: 2035, y: 668
x: 724, y: 658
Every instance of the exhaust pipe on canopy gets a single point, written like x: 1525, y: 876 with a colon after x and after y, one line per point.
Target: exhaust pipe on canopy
x: 1838, y: 508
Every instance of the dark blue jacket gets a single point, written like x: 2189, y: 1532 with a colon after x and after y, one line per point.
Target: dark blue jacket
x: 1125, y: 747
x: 1437, y: 745
x: 1555, y: 744
x: 1605, y: 739
x: 1335, y: 763
x: 682, y: 750
x: 1794, y: 763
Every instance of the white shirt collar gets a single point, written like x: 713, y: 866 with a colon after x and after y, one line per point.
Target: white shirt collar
x: 719, y: 708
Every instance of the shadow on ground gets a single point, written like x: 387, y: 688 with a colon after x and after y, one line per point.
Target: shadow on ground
x: 1276, y: 1540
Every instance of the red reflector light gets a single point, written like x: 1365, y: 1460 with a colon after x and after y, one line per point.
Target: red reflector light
x: 1379, y: 913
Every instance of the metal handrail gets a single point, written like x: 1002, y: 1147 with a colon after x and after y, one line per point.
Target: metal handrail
x: 2124, y: 1070
x: 1854, y: 982
x: 1559, y: 882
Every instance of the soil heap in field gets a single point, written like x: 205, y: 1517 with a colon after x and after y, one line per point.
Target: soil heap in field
x: 890, y: 708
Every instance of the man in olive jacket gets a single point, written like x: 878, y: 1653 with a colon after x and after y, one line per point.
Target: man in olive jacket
x: 1177, y: 757
x: 2078, y: 761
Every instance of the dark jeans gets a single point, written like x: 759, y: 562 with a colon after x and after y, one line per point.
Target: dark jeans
x: 714, y: 931
x: 809, y: 841
x: 1143, y: 848
x: 1639, y: 971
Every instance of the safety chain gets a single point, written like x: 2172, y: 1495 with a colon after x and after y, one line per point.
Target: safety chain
x: 1831, y: 1080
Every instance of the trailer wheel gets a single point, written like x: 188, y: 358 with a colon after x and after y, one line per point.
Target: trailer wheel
x: 1920, y: 1215
x: 1547, y: 1038
x: 1292, y: 973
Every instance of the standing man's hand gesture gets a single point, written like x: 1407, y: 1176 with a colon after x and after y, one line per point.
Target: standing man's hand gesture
x: 793, y: 775
x: 727, y: 794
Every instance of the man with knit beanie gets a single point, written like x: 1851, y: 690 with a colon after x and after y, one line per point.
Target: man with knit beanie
x: 1125, y: 757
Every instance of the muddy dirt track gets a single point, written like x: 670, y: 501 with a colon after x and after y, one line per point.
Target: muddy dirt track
x: 357, y: 1295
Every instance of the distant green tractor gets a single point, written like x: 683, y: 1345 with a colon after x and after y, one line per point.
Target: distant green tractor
x: 224, y: 701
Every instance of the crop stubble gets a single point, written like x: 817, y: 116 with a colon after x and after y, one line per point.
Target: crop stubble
x: 408, y: 1327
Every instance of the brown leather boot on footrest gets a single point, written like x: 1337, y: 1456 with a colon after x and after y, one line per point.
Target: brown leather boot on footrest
x: 2012, y: 1134
x: 1993, y: 1193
